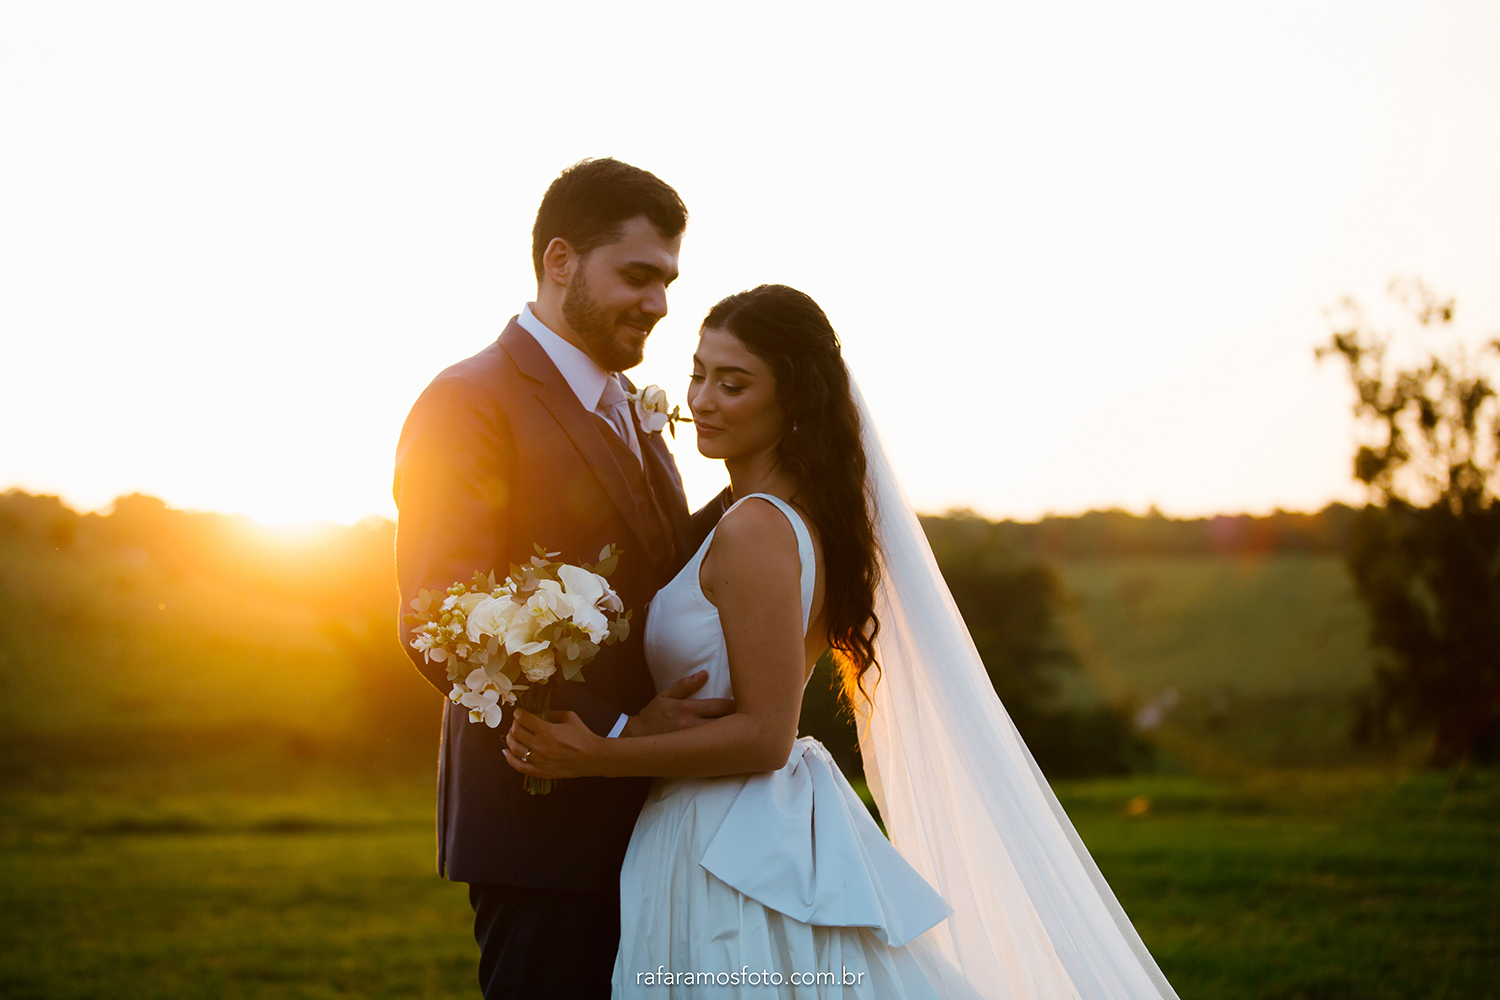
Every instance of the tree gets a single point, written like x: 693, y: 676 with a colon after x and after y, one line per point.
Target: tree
x: 1425, y: 555
x: 1009, y: 602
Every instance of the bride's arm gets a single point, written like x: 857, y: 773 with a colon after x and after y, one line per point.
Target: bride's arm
x: 755, y: 581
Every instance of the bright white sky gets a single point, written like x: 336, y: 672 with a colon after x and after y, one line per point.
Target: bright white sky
x: 1078, y: 254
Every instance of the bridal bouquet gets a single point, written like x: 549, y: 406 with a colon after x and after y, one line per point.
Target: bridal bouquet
x: 504, y: 644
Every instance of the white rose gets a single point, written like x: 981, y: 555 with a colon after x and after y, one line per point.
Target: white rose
x: 538, y: 666
x: 490, y: 616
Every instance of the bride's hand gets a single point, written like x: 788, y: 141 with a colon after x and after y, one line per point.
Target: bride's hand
x: 565, y: 748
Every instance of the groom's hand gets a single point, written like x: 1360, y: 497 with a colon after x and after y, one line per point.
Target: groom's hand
x: 672, y: 709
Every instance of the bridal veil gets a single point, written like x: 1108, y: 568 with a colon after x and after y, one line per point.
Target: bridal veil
x: 963, y: 799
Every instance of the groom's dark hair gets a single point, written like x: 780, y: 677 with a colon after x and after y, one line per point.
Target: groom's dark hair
x: 590, y: 202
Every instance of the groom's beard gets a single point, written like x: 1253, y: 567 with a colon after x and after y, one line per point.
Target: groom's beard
x: 599, y: 329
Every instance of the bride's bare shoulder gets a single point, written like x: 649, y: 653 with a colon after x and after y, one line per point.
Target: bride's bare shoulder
x: 754, y: 523
x: 754, y: 538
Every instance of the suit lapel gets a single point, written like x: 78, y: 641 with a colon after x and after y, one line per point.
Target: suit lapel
x: 557, y: 396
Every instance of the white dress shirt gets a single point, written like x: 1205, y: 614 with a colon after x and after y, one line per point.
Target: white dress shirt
x: 587, y: 380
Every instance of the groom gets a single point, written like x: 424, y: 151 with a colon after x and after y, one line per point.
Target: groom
x: 534, y: 441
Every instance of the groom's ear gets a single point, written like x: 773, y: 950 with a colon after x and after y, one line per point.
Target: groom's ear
x: 559, y: 261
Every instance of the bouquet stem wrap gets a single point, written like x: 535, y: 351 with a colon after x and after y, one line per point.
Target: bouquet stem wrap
x: 537, y: 701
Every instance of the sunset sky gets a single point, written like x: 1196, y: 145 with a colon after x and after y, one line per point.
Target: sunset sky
x: 1078, y: 254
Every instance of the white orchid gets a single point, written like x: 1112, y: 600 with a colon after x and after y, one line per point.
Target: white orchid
x: 484, y: 706
x: 653, y: 411
x: 610, y: 601
x: 592, y: 621
x: 651, y: 408
x: 428, y: 645
x: 485, y: 696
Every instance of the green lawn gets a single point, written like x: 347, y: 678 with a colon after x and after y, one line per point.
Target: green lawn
x: 1278, y: 625
x: 1335, y: 885
x: 308, y: 880
x: 193, y: 880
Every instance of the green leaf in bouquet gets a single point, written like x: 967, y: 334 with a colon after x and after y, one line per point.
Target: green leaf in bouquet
x: 572, y: 671
x: 526, y: 583
x: 538, y: 549
x: 608, y: 564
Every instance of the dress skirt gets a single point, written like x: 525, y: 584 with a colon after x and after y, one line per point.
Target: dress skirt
x: 775, y: 885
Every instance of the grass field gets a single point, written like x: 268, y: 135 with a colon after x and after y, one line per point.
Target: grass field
x: 1279, y: 625
x: 262, y: 877
x: 203, y: 792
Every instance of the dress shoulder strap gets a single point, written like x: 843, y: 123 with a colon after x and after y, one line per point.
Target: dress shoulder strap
x: 804, y: 550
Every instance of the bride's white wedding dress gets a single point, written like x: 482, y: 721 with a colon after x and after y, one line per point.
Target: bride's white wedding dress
x: 785, y: 873
x: 763, y: 880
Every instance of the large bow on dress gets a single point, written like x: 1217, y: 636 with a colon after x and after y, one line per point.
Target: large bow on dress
x: 800, y: 842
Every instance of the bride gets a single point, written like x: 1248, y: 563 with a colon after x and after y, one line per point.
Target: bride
x: 754, y: 866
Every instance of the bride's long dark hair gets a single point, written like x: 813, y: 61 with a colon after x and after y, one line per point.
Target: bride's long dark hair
x: 822, y: 450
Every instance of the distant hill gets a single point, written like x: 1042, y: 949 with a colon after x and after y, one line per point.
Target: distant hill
x: 153, y: 620
x: 1113, y: 534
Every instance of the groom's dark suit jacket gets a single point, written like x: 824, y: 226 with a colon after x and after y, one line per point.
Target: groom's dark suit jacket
x: 498, y: 455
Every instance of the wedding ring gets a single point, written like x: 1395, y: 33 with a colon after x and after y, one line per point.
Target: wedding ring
x: 526, y: 756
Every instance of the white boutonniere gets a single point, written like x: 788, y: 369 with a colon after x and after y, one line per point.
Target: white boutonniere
x: 652, y: 411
